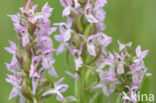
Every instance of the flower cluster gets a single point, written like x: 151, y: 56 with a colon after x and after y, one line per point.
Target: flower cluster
x: 83, y: 37
x: 123, y: 71
x: 83, y: 30
x: 33, y: 56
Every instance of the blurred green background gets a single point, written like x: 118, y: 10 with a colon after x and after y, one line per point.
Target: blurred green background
x: 126, y: 20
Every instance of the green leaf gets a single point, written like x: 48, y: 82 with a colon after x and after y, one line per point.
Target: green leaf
x: 95, y: 96
x: 80, y: 24
x: 88, y: 29
x: 88, y: 76
x: 145, y: 87
x: 77, y: 88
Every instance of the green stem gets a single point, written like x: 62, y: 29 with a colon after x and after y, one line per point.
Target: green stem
x: 80, y: 86
x: 82, y: 76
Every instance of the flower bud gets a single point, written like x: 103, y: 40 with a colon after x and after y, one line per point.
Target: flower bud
x: 129, y: 52
x: 29, y: 48
x: 44, y: 82
x: 19, y: 56
x: 83, y: 1
x: 76, y: 41
x: 31, y: 28
x: 28, y: 4
x: 26, y: 91
x: 26, y: 64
